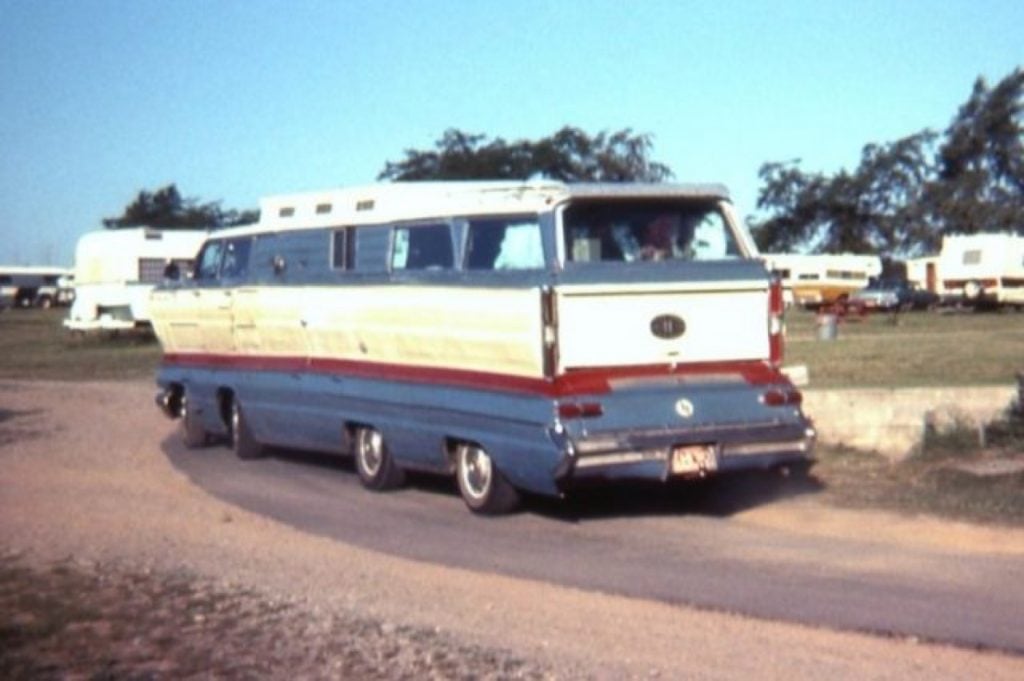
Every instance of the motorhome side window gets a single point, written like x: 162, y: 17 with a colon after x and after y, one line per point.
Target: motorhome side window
x: 208, y: 263
x: 504, y: 244
x: 236, y: 259
x: 341, y: 249
x: 630, y: 231
x: 422, y: 247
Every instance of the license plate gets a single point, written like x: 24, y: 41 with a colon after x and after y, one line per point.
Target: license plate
x: 694, y: 460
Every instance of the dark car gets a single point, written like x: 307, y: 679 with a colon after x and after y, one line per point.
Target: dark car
x: 894, y: 294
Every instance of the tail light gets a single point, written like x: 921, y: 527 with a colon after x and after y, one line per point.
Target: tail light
x: 778, y: 397
x: 580, y: 410
x: 776, y: 323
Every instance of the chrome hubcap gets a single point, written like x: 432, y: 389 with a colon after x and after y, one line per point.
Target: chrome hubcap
x: 476, y: 471
x: 370, y: 447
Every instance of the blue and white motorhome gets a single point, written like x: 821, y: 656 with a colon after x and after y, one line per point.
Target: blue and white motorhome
x: 521, y: 337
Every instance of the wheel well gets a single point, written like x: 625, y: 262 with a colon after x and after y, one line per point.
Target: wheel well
x: 348, y: 434
x: 225, y: 396
x: 451, y: 448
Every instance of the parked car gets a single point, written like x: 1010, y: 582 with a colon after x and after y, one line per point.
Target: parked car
x: 893, y: 294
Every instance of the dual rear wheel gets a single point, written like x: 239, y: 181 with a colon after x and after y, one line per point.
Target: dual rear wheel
x: 194, y: 434
x: 482, y: 486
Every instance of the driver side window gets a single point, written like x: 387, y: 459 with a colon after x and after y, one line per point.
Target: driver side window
x: 208, y: 262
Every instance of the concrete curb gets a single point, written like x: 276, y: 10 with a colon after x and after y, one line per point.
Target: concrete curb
x: 893, y: 421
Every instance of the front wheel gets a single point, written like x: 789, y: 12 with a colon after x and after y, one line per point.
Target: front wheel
x: 376, y: 467
x: 243, y: 443
x: 190, y: 425
x: 484, y: 489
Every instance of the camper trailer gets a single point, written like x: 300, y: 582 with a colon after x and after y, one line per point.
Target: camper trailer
x: 982, y: 269
x: 923, y: 273
x: 817, y: 280
x: 116, y: 269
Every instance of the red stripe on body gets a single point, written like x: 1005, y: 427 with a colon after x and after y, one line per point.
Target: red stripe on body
x: 595, y: 380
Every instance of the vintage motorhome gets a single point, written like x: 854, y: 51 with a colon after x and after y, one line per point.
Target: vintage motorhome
x: 816, y: 280
x: 982, y: 269
x: 34, y: 286
x: 521, y: 337
x: 116, y: 269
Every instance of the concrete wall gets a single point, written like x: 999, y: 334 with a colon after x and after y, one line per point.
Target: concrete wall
x: 892, y: 422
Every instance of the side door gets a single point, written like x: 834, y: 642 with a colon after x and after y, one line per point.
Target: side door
x: 196, y: 318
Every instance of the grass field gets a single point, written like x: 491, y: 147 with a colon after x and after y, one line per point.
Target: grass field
x: 917, y: 349
x: 34, y: 344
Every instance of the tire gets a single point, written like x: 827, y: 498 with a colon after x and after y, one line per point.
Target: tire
x: 482, y: 486
x: 190, y: 425
x: 376, y: 467
x: 243, y: 443
x: 973, y: 291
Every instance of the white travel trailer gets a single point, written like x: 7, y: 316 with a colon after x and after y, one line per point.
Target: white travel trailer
x: 922, y: 273
x: 982, y: 269
x: 814, y: 280
x: 116, y: 269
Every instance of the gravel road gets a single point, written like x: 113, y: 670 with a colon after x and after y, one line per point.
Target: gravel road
x: 114, y: 566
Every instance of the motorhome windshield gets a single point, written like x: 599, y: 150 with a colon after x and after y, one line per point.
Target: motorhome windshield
x: 629, y: 231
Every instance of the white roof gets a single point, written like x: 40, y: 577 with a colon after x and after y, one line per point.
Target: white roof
x: 380, y: 203
x: 35, y: 270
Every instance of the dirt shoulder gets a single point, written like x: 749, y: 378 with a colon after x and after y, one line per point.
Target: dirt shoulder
x: 182, y: 584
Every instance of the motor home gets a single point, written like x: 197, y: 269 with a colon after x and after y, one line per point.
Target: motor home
x: 816, y: 280
x: 116, y: 269
x: 982, y: 269
x: 519, y: 337
x: 34, y: 286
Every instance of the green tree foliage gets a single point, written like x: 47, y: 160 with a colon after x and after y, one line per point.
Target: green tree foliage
x: 904, y: 195
x: 980, y: 181
x: 167, y: 209
x: 569, y: 155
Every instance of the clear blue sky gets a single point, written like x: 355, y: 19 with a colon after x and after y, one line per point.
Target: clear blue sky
x: 233, y: 100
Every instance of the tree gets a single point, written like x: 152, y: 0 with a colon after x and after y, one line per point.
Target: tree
x: 875, y: 209
x: 980, y: 181
x: 166, y: 209
x: 569, y: 155
x: 905, y: 195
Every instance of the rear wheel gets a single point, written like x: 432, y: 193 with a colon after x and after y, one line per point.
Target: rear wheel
x: 484, y: 489
x: 243, y: 443
x: 190, y: 425
x: 376, y: 467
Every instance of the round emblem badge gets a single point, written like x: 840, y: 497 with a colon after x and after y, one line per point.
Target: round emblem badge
x: 668, y: 326
x: 684, y: 408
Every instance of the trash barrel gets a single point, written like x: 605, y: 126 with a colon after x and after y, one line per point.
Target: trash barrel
x: 828, y: 326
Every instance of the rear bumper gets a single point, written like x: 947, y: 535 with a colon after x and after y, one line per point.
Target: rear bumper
x: 691, y: 453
